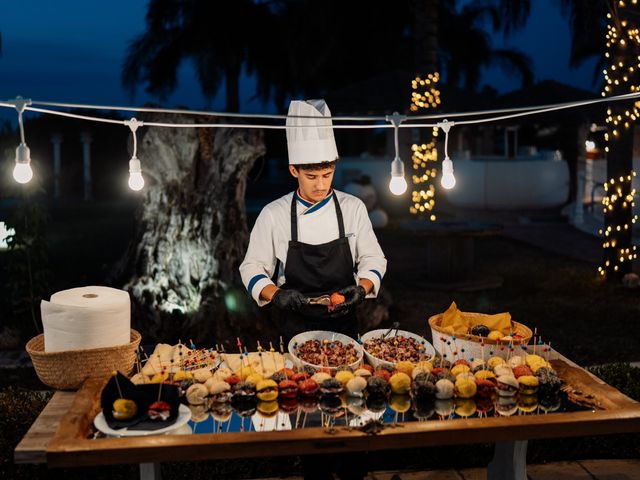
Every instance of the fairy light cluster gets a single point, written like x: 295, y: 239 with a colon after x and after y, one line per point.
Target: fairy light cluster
x: 615, y: 199
x: 425, y: 92
x: 623, y: 46
x: 425, y: 95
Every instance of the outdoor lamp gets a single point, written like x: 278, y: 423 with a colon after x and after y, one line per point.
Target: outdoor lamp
x: 22, y: 172
x: 398, y: 184
x: 448, y: 180
x: 136, y: 182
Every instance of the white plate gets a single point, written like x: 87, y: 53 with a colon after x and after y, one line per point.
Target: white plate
x: 376, y: 362
x: 184, y: 415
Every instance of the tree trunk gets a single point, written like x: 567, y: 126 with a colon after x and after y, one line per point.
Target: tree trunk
x: 182, y: 265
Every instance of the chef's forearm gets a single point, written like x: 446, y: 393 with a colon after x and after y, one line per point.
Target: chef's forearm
x: 268, y: 292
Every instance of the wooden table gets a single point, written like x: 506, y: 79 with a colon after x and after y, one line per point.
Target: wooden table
x: 60, y: 435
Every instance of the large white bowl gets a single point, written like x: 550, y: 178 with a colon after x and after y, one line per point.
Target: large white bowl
x: 321, y: 335
x: 377, y: 362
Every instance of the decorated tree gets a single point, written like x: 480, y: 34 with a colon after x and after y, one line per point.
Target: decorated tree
x: 191, y: 232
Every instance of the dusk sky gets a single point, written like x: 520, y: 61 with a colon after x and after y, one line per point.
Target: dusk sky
x: 72, y: 51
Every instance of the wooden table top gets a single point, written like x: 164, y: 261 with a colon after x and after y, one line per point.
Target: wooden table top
x: 60, y: 436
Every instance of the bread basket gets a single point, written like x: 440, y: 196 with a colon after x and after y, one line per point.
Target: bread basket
x: 69, y: 369
x: 468, y: 346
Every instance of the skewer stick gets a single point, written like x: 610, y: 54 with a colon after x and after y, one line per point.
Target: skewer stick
x: 115, y: 376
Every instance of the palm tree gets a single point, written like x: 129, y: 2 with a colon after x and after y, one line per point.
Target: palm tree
x: 466, y: 46
x: 214, y: 35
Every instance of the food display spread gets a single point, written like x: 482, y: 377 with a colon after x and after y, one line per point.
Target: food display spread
x: 327, y: 383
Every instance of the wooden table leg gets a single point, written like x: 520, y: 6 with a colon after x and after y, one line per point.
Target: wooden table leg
x: 509, y: 461
x: 150, y: 471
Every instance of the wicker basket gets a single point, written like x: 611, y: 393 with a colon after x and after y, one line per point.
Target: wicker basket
x: 470, y: 346
x: 69, y: 369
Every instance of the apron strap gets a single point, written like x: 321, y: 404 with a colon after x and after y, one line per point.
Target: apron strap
x: 339, y: 215
x: 294, y: 217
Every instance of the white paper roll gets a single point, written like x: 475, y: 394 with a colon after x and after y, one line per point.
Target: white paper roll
x: 86, y: 317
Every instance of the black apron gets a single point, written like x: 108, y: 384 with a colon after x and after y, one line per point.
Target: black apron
x: 316, y: 270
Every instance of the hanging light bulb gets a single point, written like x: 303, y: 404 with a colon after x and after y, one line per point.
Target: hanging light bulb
x: 448, y: 180
x: 397, y: 184
x: 136, y: 181
x: 22, y: 172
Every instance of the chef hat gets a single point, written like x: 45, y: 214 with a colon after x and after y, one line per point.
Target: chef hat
x: 310, y: 140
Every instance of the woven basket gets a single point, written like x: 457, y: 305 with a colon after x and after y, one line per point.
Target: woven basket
x: 69, y: 369
x: 470, y: 346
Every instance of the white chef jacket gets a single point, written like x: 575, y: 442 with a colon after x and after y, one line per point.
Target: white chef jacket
x: 317, y: 224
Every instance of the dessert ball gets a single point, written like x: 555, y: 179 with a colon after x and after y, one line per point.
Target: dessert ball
x: 405, y: 367
x: 460, y: 368
x: 521, y: 370
x: 377, y: 386
x: 400, y: 383
x: 444, y: 389
x: 344, y: 376
x: 480, y: 330
x: 493, y: 362
x: 465, y: 388
x: 197, y: 394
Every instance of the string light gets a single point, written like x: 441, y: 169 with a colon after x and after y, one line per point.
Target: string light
x: 136, y: 182
x: 448, y: 180
x: 425, y: 95
x: 397, y: 184
x: 619, y: 198
x: 22, y: 172
x: 423, y: 200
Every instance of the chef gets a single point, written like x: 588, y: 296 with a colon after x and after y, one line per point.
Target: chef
x: 313, y: 241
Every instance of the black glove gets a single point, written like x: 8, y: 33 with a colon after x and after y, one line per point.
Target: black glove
x: 289, y: 300
x: 353, y: 295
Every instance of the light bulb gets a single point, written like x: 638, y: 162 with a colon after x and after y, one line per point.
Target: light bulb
x: 397, y: 185
x: 136, y: 182
x: 22, y: 172
x: 447, y: 181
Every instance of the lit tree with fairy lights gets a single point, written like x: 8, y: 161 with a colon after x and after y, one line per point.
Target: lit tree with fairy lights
x: 621, y: 76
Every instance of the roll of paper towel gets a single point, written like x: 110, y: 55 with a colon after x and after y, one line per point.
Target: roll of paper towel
x: 86, y: 317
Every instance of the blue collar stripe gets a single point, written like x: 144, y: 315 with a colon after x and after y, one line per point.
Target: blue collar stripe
x: 254, y: 280
x: 319, y: 205
x: 302, y: 201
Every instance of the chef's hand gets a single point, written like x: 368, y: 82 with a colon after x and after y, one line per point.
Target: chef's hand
x: 289, y: 299
x: 353, y: 295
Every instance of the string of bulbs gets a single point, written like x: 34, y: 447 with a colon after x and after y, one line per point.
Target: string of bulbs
x: 23, y: 173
